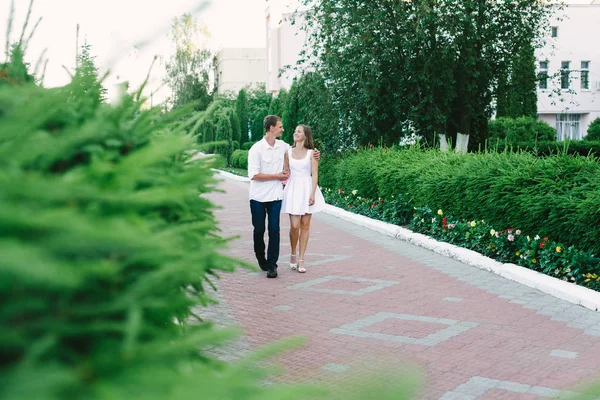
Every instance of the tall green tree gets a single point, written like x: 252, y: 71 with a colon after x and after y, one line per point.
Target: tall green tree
x: 258, y: 108
x: 517, y: 90
x: 224, y: 134
x: 277, y: 103
x: 432, y: 64
x: 188, y: 69
x: 235, y: 125
x: 290, y: 112
x: 241, y: 108
x: 315, y: 108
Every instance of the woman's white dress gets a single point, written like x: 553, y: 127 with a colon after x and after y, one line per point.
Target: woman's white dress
x: 296, y: 193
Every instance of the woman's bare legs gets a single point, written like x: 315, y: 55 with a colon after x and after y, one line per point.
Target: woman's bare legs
x: 294, y: 235
x: 304, y: 234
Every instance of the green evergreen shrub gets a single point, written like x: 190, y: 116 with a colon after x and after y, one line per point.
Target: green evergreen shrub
x: 106, y: 246
x: 593, y: 131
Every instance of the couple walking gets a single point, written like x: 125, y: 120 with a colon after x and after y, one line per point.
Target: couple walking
x: 271, y: 162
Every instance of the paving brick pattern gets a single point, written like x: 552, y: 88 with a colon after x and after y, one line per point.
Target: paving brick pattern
x: 369, y: 300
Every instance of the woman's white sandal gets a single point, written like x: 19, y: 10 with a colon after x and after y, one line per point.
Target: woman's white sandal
x: 293, y: 266
x: 301, y: 269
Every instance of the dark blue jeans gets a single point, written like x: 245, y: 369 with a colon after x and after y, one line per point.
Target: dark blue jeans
x: 260, y: 211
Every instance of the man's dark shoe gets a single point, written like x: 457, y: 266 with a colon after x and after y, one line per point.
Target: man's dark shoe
x: 272, y: 272
x: 262, y: 263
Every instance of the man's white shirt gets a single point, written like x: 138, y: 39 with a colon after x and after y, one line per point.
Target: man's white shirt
x: 267, y: 160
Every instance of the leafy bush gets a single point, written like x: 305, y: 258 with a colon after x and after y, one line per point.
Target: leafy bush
x: 519, y: 130
x: 593, y: 132
x: 239, y: 159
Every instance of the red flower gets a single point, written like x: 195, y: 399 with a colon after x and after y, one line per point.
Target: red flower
x: 444, y: 223
x: 340, y: 191
x: 374, y: 204
x: 542, y: 245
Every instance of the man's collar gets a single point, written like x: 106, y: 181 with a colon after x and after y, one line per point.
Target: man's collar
x: 275, y: 146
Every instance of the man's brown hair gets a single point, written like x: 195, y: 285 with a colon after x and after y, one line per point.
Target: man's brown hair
x: 269, y: 121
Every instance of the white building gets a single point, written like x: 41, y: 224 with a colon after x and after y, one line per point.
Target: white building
x: 284, y: 43
x: 236, y: 68
x: 570, y: 98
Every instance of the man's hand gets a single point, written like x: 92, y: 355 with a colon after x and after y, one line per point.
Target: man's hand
x: 283, y: 175
x: 316, y: 154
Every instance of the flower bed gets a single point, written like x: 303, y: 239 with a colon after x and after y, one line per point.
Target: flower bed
x: 507, y: 245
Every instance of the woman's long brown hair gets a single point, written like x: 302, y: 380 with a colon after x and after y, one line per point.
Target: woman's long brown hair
x: 308, y: 137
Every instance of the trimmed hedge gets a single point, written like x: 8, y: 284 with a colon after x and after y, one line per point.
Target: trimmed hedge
x: 557, y: 196
x: 544, y: 149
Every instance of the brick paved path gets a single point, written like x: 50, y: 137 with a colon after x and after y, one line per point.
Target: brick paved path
x: 369, y: 300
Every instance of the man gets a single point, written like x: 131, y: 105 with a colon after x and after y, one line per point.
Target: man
x: 265, y: 170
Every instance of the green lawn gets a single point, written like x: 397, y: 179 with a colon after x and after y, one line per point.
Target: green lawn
x: 235, y: 171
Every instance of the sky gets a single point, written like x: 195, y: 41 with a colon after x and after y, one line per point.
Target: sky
x: 126, y: 35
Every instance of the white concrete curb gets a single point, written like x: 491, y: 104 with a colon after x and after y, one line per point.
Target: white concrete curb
x: 563, y: 290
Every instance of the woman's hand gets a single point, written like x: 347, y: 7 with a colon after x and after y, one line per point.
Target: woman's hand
x: 311, y: 200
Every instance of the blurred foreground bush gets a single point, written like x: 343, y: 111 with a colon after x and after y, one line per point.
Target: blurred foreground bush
x: 107, y: 242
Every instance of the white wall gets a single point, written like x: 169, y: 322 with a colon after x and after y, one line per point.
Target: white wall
x: 577, y: 40
x: 284, y: 43
x: 236, y: 68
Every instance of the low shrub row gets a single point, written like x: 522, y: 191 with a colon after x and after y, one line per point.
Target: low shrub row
x: 555, y: 197
x: 551, y: 148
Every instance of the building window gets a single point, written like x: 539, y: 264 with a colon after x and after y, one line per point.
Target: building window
x: 543, y: 75
x: 585, y: 75
x: 564, y: 74
x: 554, y: 31
x: 568, y: 127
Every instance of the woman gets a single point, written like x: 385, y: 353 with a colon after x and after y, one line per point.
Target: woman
x: 301, y: 196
